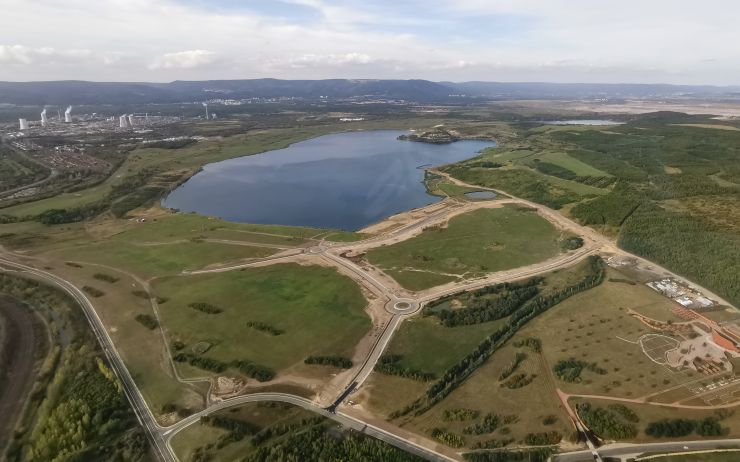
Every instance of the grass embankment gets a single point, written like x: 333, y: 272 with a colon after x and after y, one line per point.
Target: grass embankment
x: 319, y: 312
x: 479, y: 242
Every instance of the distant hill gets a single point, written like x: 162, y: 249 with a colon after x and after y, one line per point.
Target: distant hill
x: 81, y: 92
x: 544, y: 90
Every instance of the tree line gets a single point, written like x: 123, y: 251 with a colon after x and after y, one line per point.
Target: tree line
x: 459, y: 372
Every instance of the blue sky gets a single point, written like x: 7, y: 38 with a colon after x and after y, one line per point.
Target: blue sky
x: 673, y: 41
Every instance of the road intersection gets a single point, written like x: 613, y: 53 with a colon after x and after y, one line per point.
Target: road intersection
x: 398, y: 302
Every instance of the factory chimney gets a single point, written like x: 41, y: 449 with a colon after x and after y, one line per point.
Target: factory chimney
x: 23, y: 123
x: 44, y: 120
x: 68, y: 115
x: 206, y: 106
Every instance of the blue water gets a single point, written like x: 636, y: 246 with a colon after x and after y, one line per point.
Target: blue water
x: 481, y: 195
x: 343, y: 181
x: 582, y: 122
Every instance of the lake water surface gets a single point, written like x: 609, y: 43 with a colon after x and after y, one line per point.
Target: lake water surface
x: 582, y: 122
x: 342, y: 181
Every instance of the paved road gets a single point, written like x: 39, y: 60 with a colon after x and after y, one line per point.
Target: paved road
x: 344, y: 419
x: 161, y: 436
x: 133, y: 394
x: 622, y: 450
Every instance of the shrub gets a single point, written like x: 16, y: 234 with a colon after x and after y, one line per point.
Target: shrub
x: 147, y: 321
x: 205, y: 308
x: 105, y: 277
x: 92, y: 291
x: 336, y: 361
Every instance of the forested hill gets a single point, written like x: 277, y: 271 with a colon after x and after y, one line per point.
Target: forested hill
x: 78, y: 92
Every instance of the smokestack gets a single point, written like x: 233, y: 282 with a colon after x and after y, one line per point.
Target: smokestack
x: 206, y: 106
x: 23, y: 123
x: 130, y: 120
x: 44, y: 120
x: 68, y: 115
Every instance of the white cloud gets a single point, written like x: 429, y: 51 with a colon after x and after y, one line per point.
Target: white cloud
x: 188, y: 59
x: 22, y: 55
x: 680, y: 41
x: 314, y: 60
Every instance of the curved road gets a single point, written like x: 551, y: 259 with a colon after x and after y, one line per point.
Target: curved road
x: 345, y: 420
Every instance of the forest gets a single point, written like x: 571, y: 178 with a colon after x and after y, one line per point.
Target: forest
x: 77, y: 409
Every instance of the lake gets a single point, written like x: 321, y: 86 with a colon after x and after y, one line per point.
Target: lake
x: 582, y: 122
x: 342, y: 181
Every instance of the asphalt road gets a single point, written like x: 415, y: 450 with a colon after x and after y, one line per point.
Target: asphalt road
x: 620, y: 450
x: 160, y: 436
x: 345, y: 420
x: 133, y: 394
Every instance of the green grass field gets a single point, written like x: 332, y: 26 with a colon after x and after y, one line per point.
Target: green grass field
x: 427, y: 345
x: 571, y: 163
x: 160, y: 260
x: 320, y: 312
x: 486, y: 240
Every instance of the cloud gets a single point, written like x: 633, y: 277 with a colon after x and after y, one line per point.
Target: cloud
x: 563, y: 40
x: 22, y: 55
x: 314, y: 60
x: 188, y: 59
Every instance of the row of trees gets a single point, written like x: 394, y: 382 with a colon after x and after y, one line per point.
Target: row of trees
x: 482, y: 307
x: 246, y: 367
x: 206, y: 308
x: 390, y: 365
x: 316, y: 444
x: 336, y: 361
x: 457, y: 374
x: 668, y: 428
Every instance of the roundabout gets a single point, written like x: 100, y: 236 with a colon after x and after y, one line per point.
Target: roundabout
x: 402, y: 306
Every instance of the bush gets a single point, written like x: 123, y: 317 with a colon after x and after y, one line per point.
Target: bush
x: 266, y: 328
x: 450, y: 439
x: 205, y: 308
x: 489, y: 425
x: 608, y: 423
x: 105, y: 277
x: 92, y: 291
x: 336, y: 361
x: 543, y: 439
x: 572, y: 243
x: 389, y: 365
x: 459, y: 415
x: 147, y: 321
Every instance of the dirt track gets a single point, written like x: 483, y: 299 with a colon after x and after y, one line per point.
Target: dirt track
x: 20, y: 345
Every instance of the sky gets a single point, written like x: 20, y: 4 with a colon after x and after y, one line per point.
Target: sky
x: 617, y: 41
